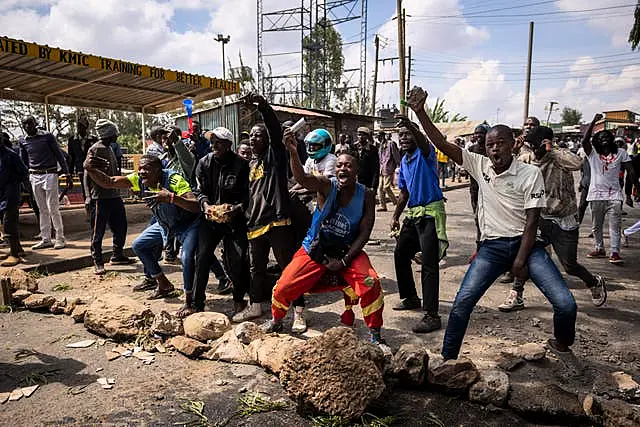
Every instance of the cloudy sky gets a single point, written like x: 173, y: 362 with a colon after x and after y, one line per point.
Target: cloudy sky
x: 470, y: 52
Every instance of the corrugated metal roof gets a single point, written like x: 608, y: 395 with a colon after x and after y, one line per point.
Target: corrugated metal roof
x: 39, y: 73
x: 299, y: 111
x: 454, y: 129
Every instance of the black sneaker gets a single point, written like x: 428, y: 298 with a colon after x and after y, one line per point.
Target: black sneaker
x: 270, y: 326
x: 408, y: 304
x: 428, y: 323
x: 147, y: 284
x: 121, y: 260
x: 99, y: 270
x: 224, y: 286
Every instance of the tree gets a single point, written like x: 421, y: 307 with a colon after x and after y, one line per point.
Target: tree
x: 324, y: 63
x: 439, y: 114
x: 634, y: 34
x: 571, y: 116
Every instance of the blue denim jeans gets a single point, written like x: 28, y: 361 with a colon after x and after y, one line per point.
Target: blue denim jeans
x: 494, y: 258
x: 148, y: 247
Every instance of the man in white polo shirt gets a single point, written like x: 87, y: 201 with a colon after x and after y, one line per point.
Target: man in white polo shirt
x: 511, y: 196
x: 605, y: 194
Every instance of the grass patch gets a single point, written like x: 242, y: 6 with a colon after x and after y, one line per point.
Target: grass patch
x: 111, y: 275
x: 62, y: 287
x: 39, y: 377
x: 255, y: 403
x: 5, y: 309
x: 367, y: 420
x: 37, y: 274
x: 195, y: 408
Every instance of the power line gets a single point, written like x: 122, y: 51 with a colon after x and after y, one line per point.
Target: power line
x: 511, y: 15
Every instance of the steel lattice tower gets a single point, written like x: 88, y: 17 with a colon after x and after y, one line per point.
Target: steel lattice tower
x: 303, y: 19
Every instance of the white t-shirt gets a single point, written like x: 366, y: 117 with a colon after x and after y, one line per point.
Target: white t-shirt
x: 503, y: 199
x: 605, y: 172
x: 326, y: 166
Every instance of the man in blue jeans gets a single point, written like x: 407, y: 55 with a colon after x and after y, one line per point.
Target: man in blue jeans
x: 511, y: 197
x: 176, y: 209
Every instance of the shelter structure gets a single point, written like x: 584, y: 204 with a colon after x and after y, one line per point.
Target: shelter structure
x: 49, y: 75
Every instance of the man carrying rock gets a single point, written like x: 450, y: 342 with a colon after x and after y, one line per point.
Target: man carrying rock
x: 423, y: 229
x: 341, y: 227
x: 558, y: 225
x: 42, y: 154
x: 511, y: 197
x: 106, y: 206
x: 223, y: 194
x: 176, y: 210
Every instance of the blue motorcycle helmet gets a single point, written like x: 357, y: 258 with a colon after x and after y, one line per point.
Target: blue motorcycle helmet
x: 318, y: 143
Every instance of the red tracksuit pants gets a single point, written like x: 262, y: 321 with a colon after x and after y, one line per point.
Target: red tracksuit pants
x: 303, y: 275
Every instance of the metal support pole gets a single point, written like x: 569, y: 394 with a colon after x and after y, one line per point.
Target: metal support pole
x: 401, y: 71
x: 144, y: 133
x: 375, y: 77
x: 224, y: 40
x: 528, y: 84
x: 46, y: 113
x: 409, y: 71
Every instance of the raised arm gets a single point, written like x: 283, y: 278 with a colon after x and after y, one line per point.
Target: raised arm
x: 421, y: 140
x: 270, y: 120
x: 320, y: 184
x: 416, y: 100
x: 586, y: 140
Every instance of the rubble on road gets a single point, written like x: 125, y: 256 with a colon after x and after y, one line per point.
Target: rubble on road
x: 206, y: 325
x: 167, y: 324
x: 410, y: 365
x: 39, y: 301
x: 117, y: 316
x: 452, y: 375
x: 328, y: 374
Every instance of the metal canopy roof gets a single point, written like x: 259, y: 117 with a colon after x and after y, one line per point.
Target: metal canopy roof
x: 38, y: 73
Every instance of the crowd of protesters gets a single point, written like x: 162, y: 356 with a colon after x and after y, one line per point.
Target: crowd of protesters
x: 311, y: 202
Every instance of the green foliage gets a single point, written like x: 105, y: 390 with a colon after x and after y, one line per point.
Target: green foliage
x: 571, y: 116
x: 323, y: 61
x: 367, y: 420
x: 62, y: 287
x: 132, y: 143
x: 634, y: 34
x: 439, y: 114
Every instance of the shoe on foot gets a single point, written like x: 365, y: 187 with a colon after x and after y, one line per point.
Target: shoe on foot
x: 429, y: 323
x: 224, y: 286
x: 173, y: 260
x: 615, y: 258
x: 238, y: 306
x: 147, y: 284
x: 252, y: 311
x: 270, y: 326
x: 513, y: 302
x: 43, y: 244
x: 408, y: 304
x: 629, y: 201
x: 507, y: 277
x: 598, y: 253
x: 99, y: 269
x: 599, y: 292
x: 121, y: 260
x: 299, y: 323
x: 60, y: 244
x: 11, y: 261
x: 556, y: 347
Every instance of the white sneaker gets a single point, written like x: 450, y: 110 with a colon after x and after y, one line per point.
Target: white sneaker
x: 43, y: 244
x: 252, y: 311
x: 299, y: 323
x: 60, y: 244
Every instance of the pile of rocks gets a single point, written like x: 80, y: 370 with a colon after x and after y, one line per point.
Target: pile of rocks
x: 337, y: 374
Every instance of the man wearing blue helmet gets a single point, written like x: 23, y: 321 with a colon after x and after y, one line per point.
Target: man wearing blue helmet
x: 321, y: 161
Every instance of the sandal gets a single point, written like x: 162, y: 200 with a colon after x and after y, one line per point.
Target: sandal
x: 185, y: 311
x: 161, y: 293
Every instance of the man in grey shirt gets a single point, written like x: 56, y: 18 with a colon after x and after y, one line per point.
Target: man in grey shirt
x: 42, y: 155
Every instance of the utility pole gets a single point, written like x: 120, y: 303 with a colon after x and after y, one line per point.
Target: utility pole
x: 224, y: 40
x: 402, y: 73
x: 551, y: 104
x: 528, y: 84
x: 375, y: 77
x: 408, y: 88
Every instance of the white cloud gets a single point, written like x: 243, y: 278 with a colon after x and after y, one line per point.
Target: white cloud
x: 581, y: 64
x: 617, y: 26
x: 435, y: 37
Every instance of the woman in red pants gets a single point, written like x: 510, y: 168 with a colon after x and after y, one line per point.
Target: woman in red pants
x: 341, y: 226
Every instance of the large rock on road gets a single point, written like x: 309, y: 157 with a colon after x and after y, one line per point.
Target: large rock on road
x: 117, y: 316
x: 207, y: 325
x: 333, y: 374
